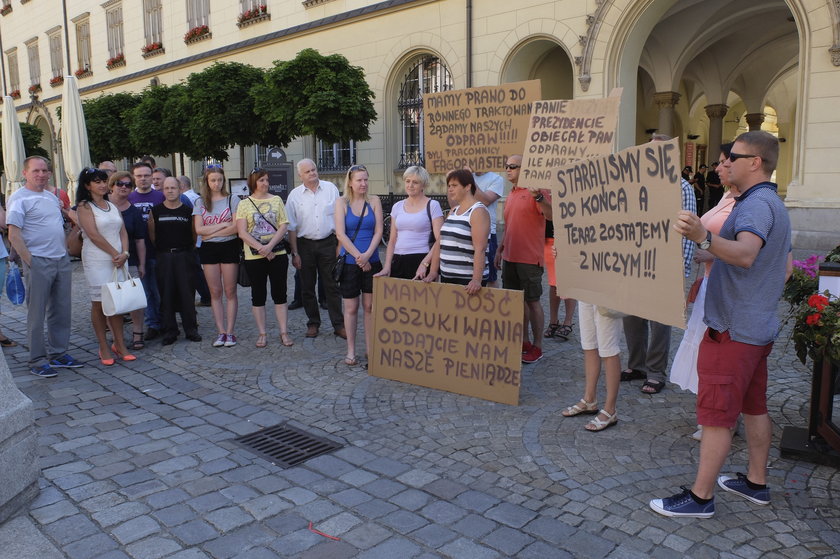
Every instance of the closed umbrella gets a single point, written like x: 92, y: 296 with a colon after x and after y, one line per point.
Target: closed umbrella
x: 74, y: 141
x: 13, y: 151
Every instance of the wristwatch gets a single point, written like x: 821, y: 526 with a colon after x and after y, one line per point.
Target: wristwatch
x: 707, y: 243
x: 539, y: 198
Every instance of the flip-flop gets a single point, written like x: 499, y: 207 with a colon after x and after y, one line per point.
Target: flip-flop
x: 655, y: 386
x: 350, y: 361
x: 632, y: 374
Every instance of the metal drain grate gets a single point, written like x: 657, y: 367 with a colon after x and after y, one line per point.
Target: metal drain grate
x: 286, y: 446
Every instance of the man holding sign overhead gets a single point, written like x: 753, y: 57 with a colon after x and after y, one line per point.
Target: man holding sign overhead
x: 745, y: 286
x: 521, y: 254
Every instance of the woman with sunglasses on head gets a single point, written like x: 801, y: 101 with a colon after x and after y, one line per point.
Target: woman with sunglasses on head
x: 415, y: 227
x: 358, y: 227
x: 261, y: 222
x: 464, y: 235
x: 104, y: 251
x: 214, y: 213
x: 120, y: 185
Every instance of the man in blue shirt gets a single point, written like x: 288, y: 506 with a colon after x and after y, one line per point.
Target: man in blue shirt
x: 745, y: 285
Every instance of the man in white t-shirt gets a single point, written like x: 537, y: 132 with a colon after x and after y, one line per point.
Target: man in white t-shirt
x: 36, y: 231
x: 491, y: 187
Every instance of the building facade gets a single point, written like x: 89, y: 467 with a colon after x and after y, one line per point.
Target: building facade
x: 703, y: 71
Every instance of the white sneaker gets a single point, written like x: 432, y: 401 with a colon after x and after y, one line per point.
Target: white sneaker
x: 221, y: 340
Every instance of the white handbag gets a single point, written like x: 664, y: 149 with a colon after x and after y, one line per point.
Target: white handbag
x: 119, y: 297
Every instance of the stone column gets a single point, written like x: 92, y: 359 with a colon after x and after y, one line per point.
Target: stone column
x: 754, y: 120
x: 18, y: 446
x: 715, y: 114
x: 666, y: 101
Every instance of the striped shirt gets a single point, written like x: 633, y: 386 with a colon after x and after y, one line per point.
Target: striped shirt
x: 457, y: 253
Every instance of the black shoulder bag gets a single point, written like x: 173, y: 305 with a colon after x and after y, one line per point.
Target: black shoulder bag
x: 338, y: 267
x: 282, y: 246
x: 432, y: 237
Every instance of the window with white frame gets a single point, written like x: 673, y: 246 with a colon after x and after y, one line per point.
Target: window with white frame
x: 246, y: 5
x: 336, y: 157
x: 34, y: 61
x: 56, y: 52
x: 198, y: 13
x: 83, y: 43
x: 153, y: 21
x: 114, y: 21
x: 14, y: 75
x: 427, y: 74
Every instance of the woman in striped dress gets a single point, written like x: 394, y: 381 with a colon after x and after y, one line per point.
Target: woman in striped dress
x: 464, y: 235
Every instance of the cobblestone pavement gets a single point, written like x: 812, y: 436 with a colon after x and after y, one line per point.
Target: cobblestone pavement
x: 137, y: 460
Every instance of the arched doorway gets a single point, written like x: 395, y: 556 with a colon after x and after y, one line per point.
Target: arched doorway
x: 541, y: 58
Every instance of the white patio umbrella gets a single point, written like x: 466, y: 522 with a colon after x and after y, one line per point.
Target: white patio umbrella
x: 74, y: 141
x: 13, y: 151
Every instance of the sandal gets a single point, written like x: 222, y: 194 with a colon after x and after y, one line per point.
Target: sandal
x: 286, y: 340
x: 564, y: 331
x: 6, y: 342
x: 598, y: 424
x: 137, y: 342
x: 261, y: 341
x: 552, y: 329
x: 350, y: 361
x: 653, y: 386
x: 632, y: 374
x: 588, y: 408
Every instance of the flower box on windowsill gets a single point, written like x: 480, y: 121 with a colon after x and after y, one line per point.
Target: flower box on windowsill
x: 197, y: 34
x: 7, y: 9
x: 34, y: 88
x: 82, y: 73
x: 115, y: 62
x: 155, y: 52
x: 255, y: 15
x: 56, y: 81
x: 15, y: 94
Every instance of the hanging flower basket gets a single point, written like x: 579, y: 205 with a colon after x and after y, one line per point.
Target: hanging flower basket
x: 55, y: 81
x: 113, y: 62
x: 15, y: 94
x: 253, y: 15
x: 197, y: 34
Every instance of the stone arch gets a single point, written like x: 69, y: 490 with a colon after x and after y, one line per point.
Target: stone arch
x: 522, y: 35
x: 541, y: 57
x: 40, y: 116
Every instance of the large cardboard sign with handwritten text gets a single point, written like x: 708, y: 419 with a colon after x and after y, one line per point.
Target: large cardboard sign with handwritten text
x: 477, y: 127
x: 563, y: 131
x: 437, y: 336
x: 613, y: 230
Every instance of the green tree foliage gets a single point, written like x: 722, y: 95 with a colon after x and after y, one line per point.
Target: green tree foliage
x: 31, y: 142
x: 314, y: 94
x: 221, y: 111
x: 157, y: 124
x: 105, y: 118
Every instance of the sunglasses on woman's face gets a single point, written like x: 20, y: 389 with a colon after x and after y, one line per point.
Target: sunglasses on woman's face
x: 124, y: 184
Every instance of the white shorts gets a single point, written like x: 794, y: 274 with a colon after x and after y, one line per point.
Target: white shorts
x: 598, y: 331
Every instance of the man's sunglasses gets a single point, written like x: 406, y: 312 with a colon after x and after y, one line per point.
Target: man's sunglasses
x: 509, y: 166
x: 733, y: 157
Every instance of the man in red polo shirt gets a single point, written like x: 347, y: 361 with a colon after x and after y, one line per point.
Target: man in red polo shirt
x: 521, y: 254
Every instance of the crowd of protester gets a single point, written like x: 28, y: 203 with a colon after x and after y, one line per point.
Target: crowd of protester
x: 181, y: 242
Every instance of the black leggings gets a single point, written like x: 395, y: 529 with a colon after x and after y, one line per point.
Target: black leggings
x: 262, y: 269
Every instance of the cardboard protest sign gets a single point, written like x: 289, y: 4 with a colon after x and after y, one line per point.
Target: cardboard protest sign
x: 437, y: 336
x: 477, y: 127
x: 613, y: 230
x: 563, y: 131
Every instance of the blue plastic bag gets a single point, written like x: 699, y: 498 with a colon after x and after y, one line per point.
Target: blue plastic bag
x: 14, y: 285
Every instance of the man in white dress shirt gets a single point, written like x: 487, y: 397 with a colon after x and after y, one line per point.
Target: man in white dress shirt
x: 310, y: 208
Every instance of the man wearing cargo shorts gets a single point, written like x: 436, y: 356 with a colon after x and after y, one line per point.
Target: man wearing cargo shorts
x: 521, y: 253
x: 746, y: 283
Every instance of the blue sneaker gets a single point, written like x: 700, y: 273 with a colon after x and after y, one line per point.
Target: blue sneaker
x: 684, y: 505
x: 65, y: 361
x: 43, y: 371
x: 739, y: 486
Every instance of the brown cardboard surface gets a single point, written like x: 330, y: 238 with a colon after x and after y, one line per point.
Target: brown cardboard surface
x: 437, y: 336
x: 477, y: 127
x: 613, y: 230
x: 563, y: 131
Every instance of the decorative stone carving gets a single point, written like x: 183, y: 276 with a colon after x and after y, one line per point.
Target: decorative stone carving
x: 754, y: 120
x: 716, y: 111
x: 835, y: 55
x: 666, y: 99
